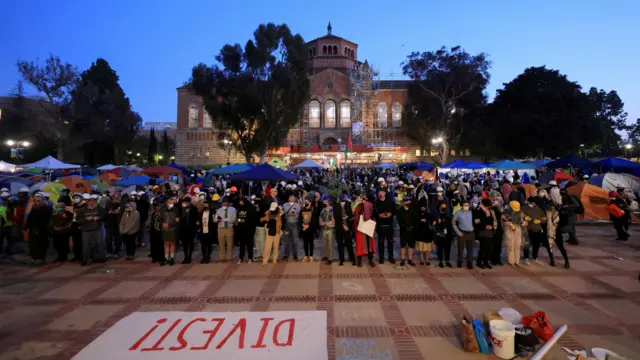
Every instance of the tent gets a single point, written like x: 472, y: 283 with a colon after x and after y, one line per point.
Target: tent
x: 264, y: 172
x: 184, y: 169
x: 51, y: 163
x: 231, y: 169
x: 570, y: 161
x: 536, y: 163
x: 99, y: 184
x: 618, y: 165
x: 163, y: 171
x: 308, y: 164
x: 76, y: 184
x: 5, y: 166
x: 385, y: 166
x: 108, y: 177
x: 38, y: 186
x: 424, y: 166
x: 609, y: 181
x: 453, y: 165
x: 107, y: 167
x: 471, y: 165
x: 54, y: 190
x: 557, y: 176
x: 510, y: 165
x: 133, y: 180
x: 121, y: 171
x: 594, y: 200
x: 277, y: 163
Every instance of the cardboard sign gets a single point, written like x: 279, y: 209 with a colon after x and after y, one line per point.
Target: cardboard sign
x: 210, y: 335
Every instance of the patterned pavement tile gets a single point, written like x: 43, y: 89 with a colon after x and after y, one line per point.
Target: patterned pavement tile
x: 624, y: 310
x: 575, y: 285
x: 84, y: 317
x: 587, y: 265
x: 561, y: 312
x: 297, y: 306
x: 621, y: 345
x: 521, y: 285
x: 409, y: 286
x: 162, y: 307
x: 33, y: 350
x: 628, y: 265
x: 624, y: 283
x: 353, y: 286
x: 209, y: 270
x: 444, y: 348
x: 128, y: 290
x: 477, y: 308
x: 183, y: 288
x: 19, y: 289
x: 73, y: 290
x: 226, y: 307
x: 430, y: 314
x: 24, y: 318
x: 359, y: 314
x: 66, y: 270
x: 154, y: 270
x: 302, y: 268
x: 297, y: 287
x: 464, y: 285
x: 366, y: 348
x: 241, y: 288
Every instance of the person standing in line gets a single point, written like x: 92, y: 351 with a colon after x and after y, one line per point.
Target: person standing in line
x: 61, y: 230
x: 273, y: 219
x: 206, y: 232
x: 261, y: 235
x: 343, y: 217
x: 90, y: 220
x: 498, y: 234
x: 327, y: 224
x: 37, y: 223
x: 291, y: 211
x: 407, y: 221
x: 307, y: 232
x: 129, y: 224
x: 620, y: 224
x: 225, y: 218
x: 79, y: 201
x: 7, y: 214
x: 443, y: 233
x: 384, y: 209
x: 365, y: 244
x: 245, y: 228
x: 112, y: 224
x: 142, y: 206
x: 154, y: 227
x: 170, y: 227
x: 484, y: 223
x: 537, y: 222
x: 188, y: 228
x: 463, y: 227
x: 512, y: 222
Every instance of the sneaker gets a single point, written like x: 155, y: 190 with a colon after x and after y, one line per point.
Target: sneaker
x: 372, y: 264
x: 428, y: 263
x: 410, y: 262
x: 526, y: 262
x: 353, y: 263
x: 249, y: 261
x: 310, y: 259
x: 421, y: 262
x: 488, y: 266
x: 392, y: 261
x: 448, y: 264
x: 305, y: 259
x: 341, y: 263
x: 441, y: 265
x: 566, y: 265
x: 537, y: 261
x: 401, y: 262
x: 239, y: 262
x: 285, y: 258
x: 171, y: 262
x: 275, y: 261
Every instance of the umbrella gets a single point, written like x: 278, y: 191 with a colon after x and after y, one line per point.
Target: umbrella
x: 100, y: 184
x: 510, y: 165
x: 134, y: 180
x: 231, y: 169
x: 277, y: 163
x: 163, y: 171
x: 14, y: 187
x: 109, y: 178
x: 264, y: 172
x: 54, y: 190
x: 107, y: 167
x: 38, y: 186
x: 309, y: 164
x: 76, y: 184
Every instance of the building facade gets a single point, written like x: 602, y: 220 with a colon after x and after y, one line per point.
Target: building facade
x: 347, y: 98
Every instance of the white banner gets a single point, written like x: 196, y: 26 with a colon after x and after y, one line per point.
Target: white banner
x: 209, y: 335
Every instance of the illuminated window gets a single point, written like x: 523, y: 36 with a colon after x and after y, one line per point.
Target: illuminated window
x: 417, y: 152
x: 207, y: 123
x: 330, y: 114
x: 193, y: 116
x: 396, y: 114
x: 314, y: 114
x: 382, y: 115
x: 345, y: 114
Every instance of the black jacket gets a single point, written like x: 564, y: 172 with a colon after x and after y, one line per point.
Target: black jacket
x: 188, y: 218
x: 338, y: 215
x: 407, y: 219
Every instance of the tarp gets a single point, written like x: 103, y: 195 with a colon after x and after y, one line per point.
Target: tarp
x: 38, y: 186
x: 133, y: 180
x: 184, y: 169
x: 277, y: 163
x: 471, y: 165
x: 51, y: 163
x: 309, y: 164
x: 594, y: 200
x: 510, y: 165
x: 385, y: 166
x: 609, y: 181
x: 419, y: 165
x: 122, y: 171
x: 76, y: 184
x: 453, y: 164
x: 541, y: 162
x: 107, y: 167
x: 5, y: 166
x: 161, y: 171
x: 558, y: 176
x: 264, y: 172
x: 617, y: 165
x: 231, y: 169
x: 571, y: 160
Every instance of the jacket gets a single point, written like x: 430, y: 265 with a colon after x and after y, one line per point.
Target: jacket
x: 267, y: 218
x: 61, y: 221
x: 481, y: 220
x: 130, y: 221
x: 343, y: 218
x: 533, y: 216
x: 407, y: 219
x: 89, y: 225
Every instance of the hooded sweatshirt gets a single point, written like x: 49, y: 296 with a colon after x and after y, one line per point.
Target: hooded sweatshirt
x: 130, y: 221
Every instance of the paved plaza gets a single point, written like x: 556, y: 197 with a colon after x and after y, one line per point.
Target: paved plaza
x: 386, y: 312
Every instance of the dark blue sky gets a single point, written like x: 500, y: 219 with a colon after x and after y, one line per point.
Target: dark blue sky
x: 153, y: 45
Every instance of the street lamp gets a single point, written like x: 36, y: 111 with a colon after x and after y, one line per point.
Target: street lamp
x: 17, y: 147
x: 160, y: 157
x: 628, y: 149
x: 137, y: 154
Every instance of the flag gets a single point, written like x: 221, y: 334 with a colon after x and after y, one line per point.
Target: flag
x: 347, y: 148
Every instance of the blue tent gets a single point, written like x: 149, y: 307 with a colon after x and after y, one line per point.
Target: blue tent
x: 541, y: 162
x: 510, y: 165
x: 423, y: 166
x: 309, y: 164
x: 570, y: 161
x: 472, y: 165
x: 453, y: 165
x: 618, y: 165
x: 184, y: 169
x: 385, y: 166
x: 264, y: 172
x: 134, y: 180
x: 232, y: 169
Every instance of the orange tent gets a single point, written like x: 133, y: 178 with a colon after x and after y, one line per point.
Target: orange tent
x: 427, y: 176
x: 530, y: 190
x: 559, y: 176
x: 108, y: 177
x: 161, y: 171
x: 594, y: 200
x: 76, y: 184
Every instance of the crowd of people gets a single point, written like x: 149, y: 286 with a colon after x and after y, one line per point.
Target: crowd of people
x: 281, y: 220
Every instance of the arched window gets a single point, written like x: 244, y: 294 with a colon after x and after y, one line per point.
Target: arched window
x: 310, y: 53
x: 330, y: 114
x: 314, y: 114
x: 335, y: 50
x: 382, y: 115
x: 346, y: 51
x: 314, y: 51
x: 207, y: 123
x: 345, y: 114
x: 330, y: 49
x: 193, y: 116
x: 324, y: 50
x: 396, y: 114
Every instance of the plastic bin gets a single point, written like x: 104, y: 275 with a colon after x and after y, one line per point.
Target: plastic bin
x: 503, y: 338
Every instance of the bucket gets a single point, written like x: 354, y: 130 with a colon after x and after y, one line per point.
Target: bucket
x: 503, y: 338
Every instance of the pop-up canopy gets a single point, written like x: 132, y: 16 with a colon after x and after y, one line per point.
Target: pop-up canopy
x: 51, y: 163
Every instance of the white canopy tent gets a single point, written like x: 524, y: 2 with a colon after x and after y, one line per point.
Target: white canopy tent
x: 107, y: 167
x: 307, y: 164
x: 5, y: 166
x: 51, y: 163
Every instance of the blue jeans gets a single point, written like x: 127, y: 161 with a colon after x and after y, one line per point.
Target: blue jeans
x: 291, y: 241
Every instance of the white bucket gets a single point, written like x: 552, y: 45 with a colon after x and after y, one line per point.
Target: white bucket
x: 503, y: 338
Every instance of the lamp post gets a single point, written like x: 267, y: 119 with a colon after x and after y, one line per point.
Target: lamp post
x: 227, y: 148
x: 628, y: 149
x: 17, y: 147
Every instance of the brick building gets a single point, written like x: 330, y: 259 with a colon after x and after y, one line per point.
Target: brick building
x: 347, y: 96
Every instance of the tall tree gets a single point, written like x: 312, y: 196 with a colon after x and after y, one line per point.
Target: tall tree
x: 55, y: 80
x: 552, y: 111
x: 256, y: 93
x: 165, y: 146
x: 103, y: 118
x: 153, y: 147
x: 608, y: 109
x: 447, y: 83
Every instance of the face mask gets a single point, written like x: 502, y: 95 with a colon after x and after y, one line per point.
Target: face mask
x: 540, y: 195
x: 133, y: 197
x: 225, y: 207
x: 253, y: 201
x: 291, y: 202
x: 75, y: 201
x: 341, y: 203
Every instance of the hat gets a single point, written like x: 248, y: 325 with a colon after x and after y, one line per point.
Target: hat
x: 514, y: 205
x: 133, y: 193
x: 86, y: 196
x: 196, y: 190
x: 283, y: 183
x: 411, y: 186
x: 4, y: 194
x: 439, y: 189
x: 619, y: 186
x: 553, y: 183
x: 300, y: 183
x: 273, y: 206
x: 613, y: 194
x: 585, y: 176
x: 45, y: 194
x: 23, y: 189
x: 234, y: 189
x: 294, y: 186
x: 380, y: 180
x: 288, y: 186
x: 225, y: 199
x: 400, y: 182
x: 141, y: 193
x: 4, y: 189
x: 216, y: 197
x: 252, y: 197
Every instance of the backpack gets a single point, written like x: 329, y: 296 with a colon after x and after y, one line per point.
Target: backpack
x: 580, y: 208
